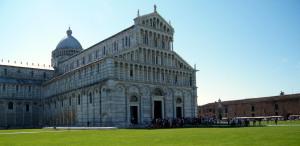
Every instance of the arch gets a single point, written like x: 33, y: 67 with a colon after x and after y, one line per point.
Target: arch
x: 133, y: 98
x: 90, y: 97
x: 120, y: 88
x: 179, y: 100
x: 133, y: 90
x: 158, y: 92
x: 178, y: 93
x: 78, y: 99
x: 145, y: 90
x: 103, y: 90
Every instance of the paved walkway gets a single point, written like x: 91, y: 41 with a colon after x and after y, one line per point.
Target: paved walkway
x: 59, y: 129
x: 12, y: 133
x: 81, y: 128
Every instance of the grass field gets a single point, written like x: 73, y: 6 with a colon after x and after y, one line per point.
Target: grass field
x: 251, y: 136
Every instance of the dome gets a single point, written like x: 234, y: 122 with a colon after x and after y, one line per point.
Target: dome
x: 69, y: 42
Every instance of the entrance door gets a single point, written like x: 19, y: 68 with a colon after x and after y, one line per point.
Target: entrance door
x: 157, y: 109
x: 134, y: 114
x: 178, y: 112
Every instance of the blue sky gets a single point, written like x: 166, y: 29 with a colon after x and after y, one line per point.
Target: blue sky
x: 243, y: 48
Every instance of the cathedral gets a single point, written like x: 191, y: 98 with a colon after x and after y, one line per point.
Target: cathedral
x: 127, y: 79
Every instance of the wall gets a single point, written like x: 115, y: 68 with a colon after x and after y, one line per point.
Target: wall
x: 283, y: 105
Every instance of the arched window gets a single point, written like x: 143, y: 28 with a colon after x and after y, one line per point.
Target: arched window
x: 115, y: 46
x: 146, y: 38
x: 78, y: 100
x: 83, y: 61
x: 77, y: 63
x: 91, y: 98
x: 44, y: 75
x: 131, y: 73
x: 70, y: 101
x: 128, y: 41
x: 98, y: 67
x: 5, y: 71
x: 155, y: 42
x: 91, y: 70
x: 131, y: 57
x: 104, y: 50
x: 10, y: 105
x: 27, y: 108
x: 90, y: 57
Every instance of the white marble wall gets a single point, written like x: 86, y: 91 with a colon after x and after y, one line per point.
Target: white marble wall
x: 21, y: 87
x: 110, y: 105
x: 19, y: 116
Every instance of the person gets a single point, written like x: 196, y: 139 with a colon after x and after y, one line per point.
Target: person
x: 276, y: 121
x: 153, y: 123
x: 247, y: 122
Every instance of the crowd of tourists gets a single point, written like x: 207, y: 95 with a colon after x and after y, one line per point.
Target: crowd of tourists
x: 173, y: 123
x: 181, y: 122
x: 206, y: 121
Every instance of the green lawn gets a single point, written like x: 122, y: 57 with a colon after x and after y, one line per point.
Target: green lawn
x: 251, y: 136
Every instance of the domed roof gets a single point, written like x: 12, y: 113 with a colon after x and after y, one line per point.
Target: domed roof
x: 69, y: 42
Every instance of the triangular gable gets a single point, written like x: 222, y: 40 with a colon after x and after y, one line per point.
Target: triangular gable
x: 139, y: 19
